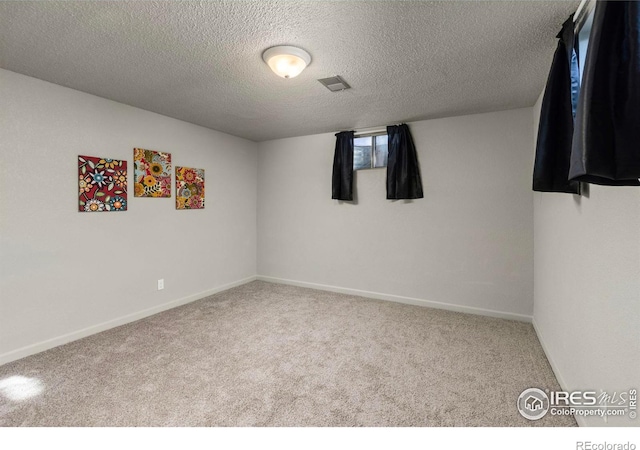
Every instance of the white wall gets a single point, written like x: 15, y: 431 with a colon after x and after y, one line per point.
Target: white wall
x: 468, y: 243
x: 62, y: 271
x: 587, y: 287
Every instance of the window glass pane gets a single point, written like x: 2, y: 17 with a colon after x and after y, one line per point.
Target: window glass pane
x: 583, y: 39
x: 382, y: 151
x: 362, y: 153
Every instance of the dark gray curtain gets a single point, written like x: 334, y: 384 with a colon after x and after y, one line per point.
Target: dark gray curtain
x: 606, y: 142
x: 342, y: 182
x: 403, y: 170
x: 555, y: 131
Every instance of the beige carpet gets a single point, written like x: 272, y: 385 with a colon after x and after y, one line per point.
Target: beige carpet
x: 271, y: 355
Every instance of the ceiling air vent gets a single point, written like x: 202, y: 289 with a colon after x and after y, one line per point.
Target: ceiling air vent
x: 334, y: 84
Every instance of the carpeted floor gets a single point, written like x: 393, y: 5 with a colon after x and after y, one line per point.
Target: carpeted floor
x: 272, y: 355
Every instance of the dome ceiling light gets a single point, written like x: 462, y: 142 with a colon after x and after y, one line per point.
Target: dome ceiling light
x: 286, y: 61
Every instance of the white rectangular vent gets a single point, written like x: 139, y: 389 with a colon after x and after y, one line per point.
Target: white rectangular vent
x: 334, y: 84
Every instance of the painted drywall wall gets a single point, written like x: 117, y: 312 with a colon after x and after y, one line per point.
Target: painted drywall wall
x: 587, y: 288
x: 468, y: 244
x: 64, y: 274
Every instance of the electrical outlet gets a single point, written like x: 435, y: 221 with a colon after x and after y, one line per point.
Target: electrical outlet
x: 161, y: 284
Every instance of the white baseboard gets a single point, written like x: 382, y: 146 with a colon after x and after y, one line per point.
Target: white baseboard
x: 400, y: 299
x: 79, y: 334
x: 556, y: 370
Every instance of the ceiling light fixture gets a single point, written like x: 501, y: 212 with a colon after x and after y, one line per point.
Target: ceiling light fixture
x: 286, y: 61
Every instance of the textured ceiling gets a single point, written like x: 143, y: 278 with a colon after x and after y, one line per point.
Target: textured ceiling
x: 201, y: 61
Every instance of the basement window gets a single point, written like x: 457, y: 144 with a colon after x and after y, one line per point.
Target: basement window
x: 370, y: 152
x: 583, y: 29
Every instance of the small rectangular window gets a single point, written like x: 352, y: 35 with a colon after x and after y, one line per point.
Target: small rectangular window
x: 584, y: 32
x: 362, y: 153
x: 380, y: 151
x: 583, y: 24
x: 370, y: 152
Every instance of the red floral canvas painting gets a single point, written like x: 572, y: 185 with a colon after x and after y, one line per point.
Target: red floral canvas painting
x: 102, y: 184
x: 152, y: 173
x: 189, y: 188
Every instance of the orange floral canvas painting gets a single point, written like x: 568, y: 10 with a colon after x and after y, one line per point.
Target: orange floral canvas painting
x: 152, y: 173
x: 189, y: 188
x: 102, y: 184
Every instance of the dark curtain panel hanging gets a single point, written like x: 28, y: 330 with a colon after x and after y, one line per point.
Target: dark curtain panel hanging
x: 606, y: 142
x: 403, y: 170
x: 555, y: 131
x: 342, y: 184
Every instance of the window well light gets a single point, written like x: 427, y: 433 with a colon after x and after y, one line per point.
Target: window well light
x: 286, y: 61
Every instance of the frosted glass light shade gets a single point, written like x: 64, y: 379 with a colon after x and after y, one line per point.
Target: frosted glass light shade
x: 286, y: 61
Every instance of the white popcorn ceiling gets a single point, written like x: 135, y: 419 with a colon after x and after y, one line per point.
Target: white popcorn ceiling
x: 202, y: 61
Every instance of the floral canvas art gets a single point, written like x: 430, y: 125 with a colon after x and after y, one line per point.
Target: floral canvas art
x: 102, y: 184
x: 152, y: 173
x: 189, y: 188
